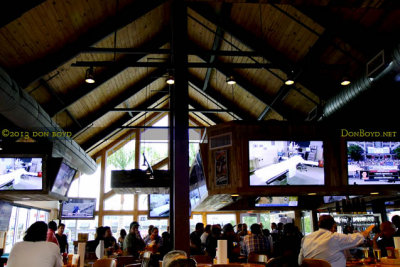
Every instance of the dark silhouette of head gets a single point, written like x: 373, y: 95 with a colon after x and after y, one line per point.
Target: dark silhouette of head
x: 52, y: 225
x: 36, y: 232
x: 396, y: 221
x: 255, y: 229
x: 326, y: 222
x: 122, y: 233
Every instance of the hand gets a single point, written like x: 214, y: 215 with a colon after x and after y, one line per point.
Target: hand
x: 368, y: 230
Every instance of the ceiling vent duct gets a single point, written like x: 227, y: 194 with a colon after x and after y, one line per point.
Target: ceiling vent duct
x: 23, y: 111
x: 377, y: 72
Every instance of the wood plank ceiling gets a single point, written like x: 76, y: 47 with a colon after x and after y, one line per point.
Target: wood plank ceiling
x: 260, y: 44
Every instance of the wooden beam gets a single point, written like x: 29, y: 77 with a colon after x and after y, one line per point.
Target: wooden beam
x: 28, y: 73
x: 137, y: 87
x: 273, y: 56
x: 59, y: 101
x: 84, y: 88
x: 12, y: 10
x: 361, y: 38
x: 179, y: 122
x: 116, y: 125
x: 211, y: 117
x: 211, y: 92
x: 225, y: 10
x: 256, y: 91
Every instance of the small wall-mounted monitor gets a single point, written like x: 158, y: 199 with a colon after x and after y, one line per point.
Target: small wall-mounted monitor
x: 78, y: 208
x: 274, y: 163
x: 276, y: 201
x: 373, y: 162
x: 158, y: 205
x: 22, y: 172
x: 63, y: 179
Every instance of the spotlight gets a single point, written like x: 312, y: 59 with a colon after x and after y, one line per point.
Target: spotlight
x: 345, y: 82
x: 289, y: 81
x: 151, y: 177
x: 170, y: 80
x: 89, y: 77
x: 230, y: 80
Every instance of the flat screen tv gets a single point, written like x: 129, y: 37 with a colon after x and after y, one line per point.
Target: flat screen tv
x: 63, y: 179
x: 276, y: 201
x: 159, y: 205
x: 78, y: 208
x: 372, y: 163
x: 275, y: 163
x: 21, y: 172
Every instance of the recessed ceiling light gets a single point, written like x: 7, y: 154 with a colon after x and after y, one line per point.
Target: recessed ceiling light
x: 312, y: 194
x: 234, y: 195
x: 374, y: 193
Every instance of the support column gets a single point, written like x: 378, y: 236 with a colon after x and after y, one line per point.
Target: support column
x: 179, y: 123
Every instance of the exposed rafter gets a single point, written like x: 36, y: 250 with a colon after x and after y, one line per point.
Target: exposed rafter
x: 134, y: 89
x: 111, y: 129
x: 256, y: 91
x: 35, y: 70
x: 211, y: 117
x: 15, y: 9
x: 225, y: 11
x: 353, y: 34
x: 195, y: 83
x: 118, y: 66
x: 59, y: 101
x: 251, y: 41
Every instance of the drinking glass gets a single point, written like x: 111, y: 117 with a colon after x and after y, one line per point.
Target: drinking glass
x: 377, y: 254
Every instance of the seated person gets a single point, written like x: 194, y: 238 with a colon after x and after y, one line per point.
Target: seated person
x: 153, y: 241
x: 92, y: 244
x: 110, y: 243
x: 34, y: 250
x: 385, y: 238
x: 133, y: 242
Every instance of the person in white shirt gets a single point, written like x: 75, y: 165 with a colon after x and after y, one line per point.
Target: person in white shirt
x: 328, y: 245
x: 34, y: 250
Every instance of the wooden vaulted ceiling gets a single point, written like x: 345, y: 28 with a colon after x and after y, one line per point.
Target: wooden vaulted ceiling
x: 318, y: 42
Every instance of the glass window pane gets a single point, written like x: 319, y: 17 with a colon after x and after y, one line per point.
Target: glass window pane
x: 265, y: 220
x: 249, y: 219
x: 144, y: 225
x: 154, y: 152
x: 33, y: 216
x: 127, y: 201
x: 11, y: 230
x: 70, y: 232
x: 122, y: 159
x: 87, y: 226
x: 117, y: 223
x: 196, y: 219
x: 113, y: 203
x: 143, y: 202
x: 21, y: 224
x: 88, y: 186
x: 43, y: 216
x: 221, y: 219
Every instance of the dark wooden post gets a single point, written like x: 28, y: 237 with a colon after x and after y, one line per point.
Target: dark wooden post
x: 179, y: 122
